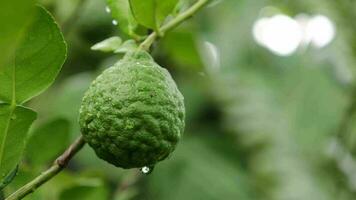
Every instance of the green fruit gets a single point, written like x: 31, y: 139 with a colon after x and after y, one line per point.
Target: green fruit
x: 133, y: 114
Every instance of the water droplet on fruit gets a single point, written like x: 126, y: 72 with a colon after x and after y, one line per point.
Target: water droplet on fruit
x: 114, y: 22
x: 147, y: 170
x: 107, y: 9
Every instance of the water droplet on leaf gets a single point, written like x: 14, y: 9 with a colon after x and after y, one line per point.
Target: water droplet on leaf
x: 114, y: 22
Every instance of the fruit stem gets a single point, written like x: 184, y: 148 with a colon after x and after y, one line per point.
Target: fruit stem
x: 59, y: 164
x: 146, y: 44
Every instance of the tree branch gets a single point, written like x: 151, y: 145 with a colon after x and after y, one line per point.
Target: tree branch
x: 59, y: 164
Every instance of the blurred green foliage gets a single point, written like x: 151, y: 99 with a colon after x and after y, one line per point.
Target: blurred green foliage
x: 259, y: 126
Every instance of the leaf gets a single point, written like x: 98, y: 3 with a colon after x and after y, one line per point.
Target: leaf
x: 23, y: 176
x: 14, y: 125
x: 37, y: 61
x: 128, y: 45
x: 114, y: 44
x: 88, y: 192
x: 12, y: 25
x: 8, y: 179
x: 164, y: 8
x: 151, y: 13
x: 50, y: 139
x: 144, y: 12
x: 121, y: 12
x: 181, y: 46
x: 108, y: 45
x: 181, y: 5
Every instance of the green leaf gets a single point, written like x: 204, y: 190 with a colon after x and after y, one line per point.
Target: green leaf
x: 14, y: 125
x: 144, y: 12
x: 115, y: 44
x: 50, y: 139
x: 181, y: 6
x: 12, y: 25
x: 181, y: 46
x: 108, y: 45
x: 164, y: 8
x: 9, y: 178
x: 37, y: 61
x: 121, y: 12
x: 151, y: 13
x: 88, y: 192
x: 128, y: 45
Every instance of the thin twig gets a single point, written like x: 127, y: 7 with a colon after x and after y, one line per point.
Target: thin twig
x: 146, y: 44
x: 59, y: 164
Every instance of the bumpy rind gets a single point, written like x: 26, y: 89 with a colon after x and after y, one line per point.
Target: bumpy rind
x: 133, y: 114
